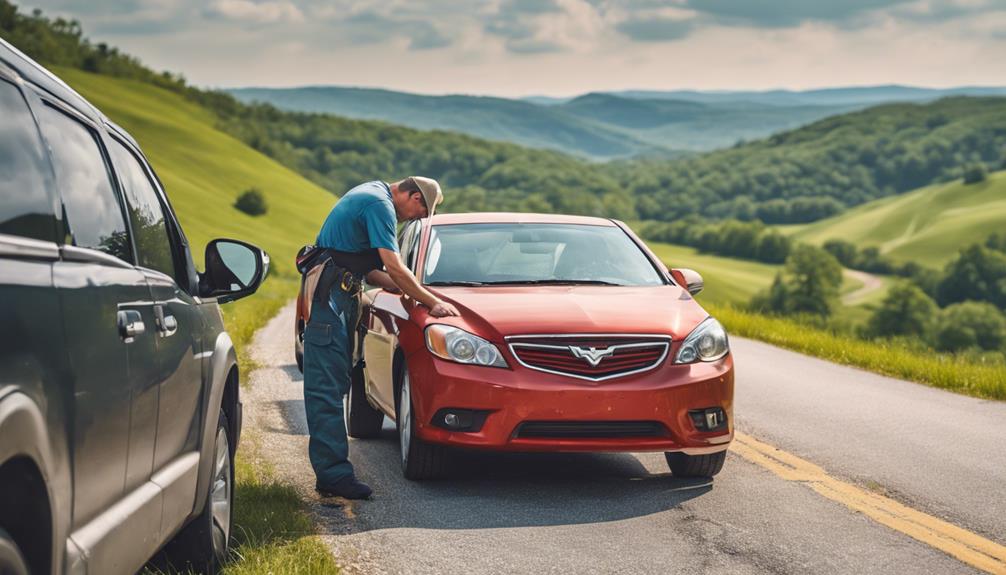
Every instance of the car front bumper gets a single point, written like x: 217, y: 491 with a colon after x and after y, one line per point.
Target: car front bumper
x: 514, y: 396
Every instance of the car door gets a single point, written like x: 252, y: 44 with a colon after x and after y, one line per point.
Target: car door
x: 166, y: 404
x: 107, y: 314
x: 382, y: 331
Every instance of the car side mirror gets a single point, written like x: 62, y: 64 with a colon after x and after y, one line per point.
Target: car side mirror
x: 691, y: 280
x: 234, y: 269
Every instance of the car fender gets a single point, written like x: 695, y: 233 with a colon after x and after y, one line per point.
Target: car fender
x: 224, y: 359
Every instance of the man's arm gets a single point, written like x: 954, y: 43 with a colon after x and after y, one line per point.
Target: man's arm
x: 381, y: 279
x: 406, y: 281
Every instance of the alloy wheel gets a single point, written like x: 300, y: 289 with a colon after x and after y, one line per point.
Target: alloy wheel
x: 220, y: 498
x: 405, y: 418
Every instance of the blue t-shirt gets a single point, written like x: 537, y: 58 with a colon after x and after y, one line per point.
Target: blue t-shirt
x: 362, y: 219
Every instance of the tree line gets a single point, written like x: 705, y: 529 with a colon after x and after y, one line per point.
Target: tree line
x: 959, y: 309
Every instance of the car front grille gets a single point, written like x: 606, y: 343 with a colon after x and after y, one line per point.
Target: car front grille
x: 593, y: 358
x: 589, y: 429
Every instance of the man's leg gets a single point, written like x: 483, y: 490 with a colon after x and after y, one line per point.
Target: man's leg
x: 327, y: 357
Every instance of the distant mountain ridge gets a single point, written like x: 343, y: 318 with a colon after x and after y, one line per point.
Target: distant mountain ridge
x: 823, y: 96
x: 602, y: 125
x: 487, y: 117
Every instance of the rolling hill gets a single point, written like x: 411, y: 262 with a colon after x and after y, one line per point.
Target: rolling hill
x: 927, y: 225
x: 841, y: 96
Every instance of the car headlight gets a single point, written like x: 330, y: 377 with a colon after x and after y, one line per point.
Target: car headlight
x: 455, y: 344
x: 707, y: 342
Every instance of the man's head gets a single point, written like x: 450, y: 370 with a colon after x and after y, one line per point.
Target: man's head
x: 415, y: 197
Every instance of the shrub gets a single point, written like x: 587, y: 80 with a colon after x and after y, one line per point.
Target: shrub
x: 845, y: 252
x: 971, y: 324
x: 808, y: 284
x: 906, y: 310
x: 252, y: 202
x: 974, y: 173
x: 977, y: 273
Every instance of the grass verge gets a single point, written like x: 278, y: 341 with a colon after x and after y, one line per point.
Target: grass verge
x: 952, y: 373
x: 273, y: 533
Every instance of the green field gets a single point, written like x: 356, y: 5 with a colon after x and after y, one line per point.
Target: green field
x: 728, y: 280
x: 203, y: 171
x: 927, y: 225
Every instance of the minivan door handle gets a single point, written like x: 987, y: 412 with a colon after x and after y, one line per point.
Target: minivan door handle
x: 130, y: 324
x: 167, y: 325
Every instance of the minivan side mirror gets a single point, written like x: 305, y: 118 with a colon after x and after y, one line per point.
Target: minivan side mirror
x: 691, y: 280
x: 234, y: 269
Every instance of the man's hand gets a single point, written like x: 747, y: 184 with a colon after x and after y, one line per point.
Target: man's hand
x: 443, y: 309
x: 403, y: 277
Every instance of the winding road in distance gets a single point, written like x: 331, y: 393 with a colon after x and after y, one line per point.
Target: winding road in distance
x: 835, y: 470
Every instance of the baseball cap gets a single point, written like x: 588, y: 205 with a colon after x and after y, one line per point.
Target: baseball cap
x: 430, y: 189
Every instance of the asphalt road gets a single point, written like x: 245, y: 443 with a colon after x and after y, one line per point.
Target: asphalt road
x: 938, y: 453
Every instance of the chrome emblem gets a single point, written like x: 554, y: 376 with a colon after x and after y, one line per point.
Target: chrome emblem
x: 592, y: 354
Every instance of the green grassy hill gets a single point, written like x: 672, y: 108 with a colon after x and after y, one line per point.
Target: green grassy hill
x: 928, y: 225
x: 204, y: 170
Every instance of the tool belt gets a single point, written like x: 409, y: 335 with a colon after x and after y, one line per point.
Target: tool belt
x: 321, y: 275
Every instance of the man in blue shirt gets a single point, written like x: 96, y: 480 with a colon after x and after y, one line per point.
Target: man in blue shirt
x: 360, y: 232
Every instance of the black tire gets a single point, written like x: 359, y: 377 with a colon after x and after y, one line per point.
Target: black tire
x: 202, y: 545
x: 363, y: 421
x: 420, y: 460
x: 12, y: 561
x: 683, y: 465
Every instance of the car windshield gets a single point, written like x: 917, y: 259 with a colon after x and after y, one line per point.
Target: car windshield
x: 510, y: 253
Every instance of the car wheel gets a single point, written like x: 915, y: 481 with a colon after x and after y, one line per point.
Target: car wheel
x: 298, y: 346
x: 420, y: 460
x: 202, y: 545
x: 363, y: 421
x: 683, y: 465
x: 12, y: 562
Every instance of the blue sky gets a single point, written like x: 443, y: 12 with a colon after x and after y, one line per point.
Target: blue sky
x: 556, y: 47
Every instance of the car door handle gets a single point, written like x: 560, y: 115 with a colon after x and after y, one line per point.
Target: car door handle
x: 130, y: 324
x: 167, y: 325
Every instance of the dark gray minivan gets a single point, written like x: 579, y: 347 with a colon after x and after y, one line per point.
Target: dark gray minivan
x: 119, y: 396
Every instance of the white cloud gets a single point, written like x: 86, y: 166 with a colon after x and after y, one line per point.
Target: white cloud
x: 266, y: 12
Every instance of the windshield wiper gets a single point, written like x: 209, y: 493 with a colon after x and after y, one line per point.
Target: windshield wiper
x: 457, y: 283
x: 553, y: 282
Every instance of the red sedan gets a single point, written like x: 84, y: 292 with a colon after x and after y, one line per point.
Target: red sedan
x: 573, y: 336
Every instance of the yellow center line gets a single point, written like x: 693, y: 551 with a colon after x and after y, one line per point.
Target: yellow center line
x: 966, y: 546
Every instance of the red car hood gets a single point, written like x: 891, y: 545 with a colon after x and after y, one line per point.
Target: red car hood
x: 496, y: 312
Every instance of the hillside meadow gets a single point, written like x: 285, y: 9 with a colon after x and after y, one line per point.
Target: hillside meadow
x: 928, y: 225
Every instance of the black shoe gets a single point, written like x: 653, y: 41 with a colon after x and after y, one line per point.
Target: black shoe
x: 348, y: 487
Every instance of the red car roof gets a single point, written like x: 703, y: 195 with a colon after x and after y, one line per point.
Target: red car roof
x: 517, y: 218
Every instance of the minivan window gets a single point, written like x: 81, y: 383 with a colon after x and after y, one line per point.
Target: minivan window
x: 153, y: 246
x: 25, y: 208
x: 93, y: 212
